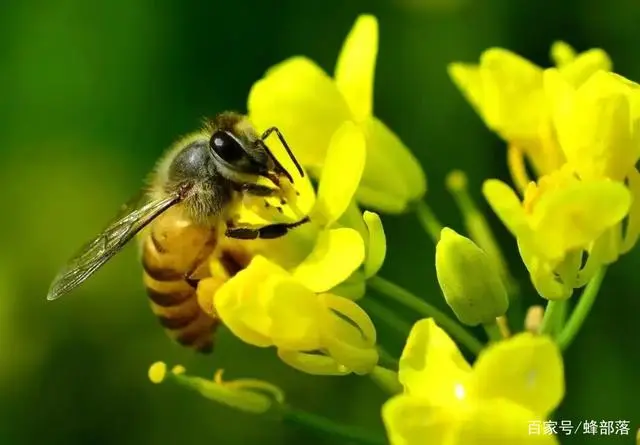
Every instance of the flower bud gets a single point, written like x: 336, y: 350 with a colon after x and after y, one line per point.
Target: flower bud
x: 248, y: 395
x: 469, y: 280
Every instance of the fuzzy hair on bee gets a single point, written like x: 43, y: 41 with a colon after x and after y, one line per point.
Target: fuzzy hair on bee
x: 213, y: 182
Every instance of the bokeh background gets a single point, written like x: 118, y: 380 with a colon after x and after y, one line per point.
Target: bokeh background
x: 91, y: 93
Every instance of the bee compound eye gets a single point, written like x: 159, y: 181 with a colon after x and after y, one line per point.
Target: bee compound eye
x: 226, y: 146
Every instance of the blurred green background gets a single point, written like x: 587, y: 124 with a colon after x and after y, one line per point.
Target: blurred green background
x: 92, y: 93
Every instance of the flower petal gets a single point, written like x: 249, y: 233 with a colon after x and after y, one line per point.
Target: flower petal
x: 585, y: 65
x: 337, y: 253
x: 431, y: 365
x: 352, y: 218
x: 392, y: 175
x: 506, y: 205
x: 594, y: 124
x: 241, y: 302
x: 312, y: 363
x: 304, y: 103
x: 359, y: 360
x: 377, y: 245
x: 411, y: 420
x: 513, y: 103
x: 500, y: 422
x: 355, y: 314
x: 296, y: 316
x: 633, y: 226
x: 356, y: 64
x: 341, y: 174
x: 469, y: 81
x: 526, y: 369
x: 572, y: 217
x: 353, y: 287
x: 249, y: 326
x: 542, y: 274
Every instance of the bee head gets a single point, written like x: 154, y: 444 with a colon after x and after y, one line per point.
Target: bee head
x: 238, y: 150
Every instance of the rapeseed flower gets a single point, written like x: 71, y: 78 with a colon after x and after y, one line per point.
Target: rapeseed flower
x: 598, y: 127
x: 508, y: 93
x: 323, y: 333
x: 447, y: 401
x: 310, y: 107
x: 559, y: 220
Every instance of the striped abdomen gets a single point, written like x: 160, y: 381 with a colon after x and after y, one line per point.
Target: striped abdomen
x: 174, y: 256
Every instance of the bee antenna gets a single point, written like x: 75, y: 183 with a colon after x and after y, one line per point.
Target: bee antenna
x: 275, y: 130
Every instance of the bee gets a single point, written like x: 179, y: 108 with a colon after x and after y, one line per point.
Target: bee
x: 184, y: 216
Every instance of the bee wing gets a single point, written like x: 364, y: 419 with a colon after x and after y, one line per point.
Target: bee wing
x: 133, y: 217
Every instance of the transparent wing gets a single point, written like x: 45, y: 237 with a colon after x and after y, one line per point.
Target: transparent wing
x: 133, y: 217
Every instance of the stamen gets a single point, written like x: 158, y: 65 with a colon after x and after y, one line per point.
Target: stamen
x: 515, y: 162
x: 157, y: 372
x: 250, y: 385
x: 533, y: 319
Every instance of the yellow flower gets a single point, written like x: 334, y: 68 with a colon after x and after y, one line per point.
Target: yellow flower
x: 507, y: 92
x: 310, y: 107
x: 598, y: 126
x: 265, y: 305
x: 446, y: 401
x: 469, y: 280
x: 598, y: 123
x: 561, y: 218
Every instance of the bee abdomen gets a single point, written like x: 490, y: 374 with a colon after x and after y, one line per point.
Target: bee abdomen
x: 175, y: 303
x: 174, y: 258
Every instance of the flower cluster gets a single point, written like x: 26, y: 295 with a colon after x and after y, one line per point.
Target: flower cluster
x: 576, y: 125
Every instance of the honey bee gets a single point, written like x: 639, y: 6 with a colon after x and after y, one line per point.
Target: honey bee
x: 185, y: 215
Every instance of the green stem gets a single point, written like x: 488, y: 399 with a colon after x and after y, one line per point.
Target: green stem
x: 428, y: 220
x: 493, y: 331
x: 330, y: 428
x: 406, y: 298
x: 551, y: 314
x: 582, y: 309
x: 385, y: 315
x: 386, y: 359
x: 387, y: 380
x: 562, y: 317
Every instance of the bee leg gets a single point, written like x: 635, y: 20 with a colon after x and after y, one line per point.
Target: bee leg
x: 257, y: 190
x: 265, y: 232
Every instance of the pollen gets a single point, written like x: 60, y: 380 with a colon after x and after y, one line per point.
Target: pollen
x: 157, y: 372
